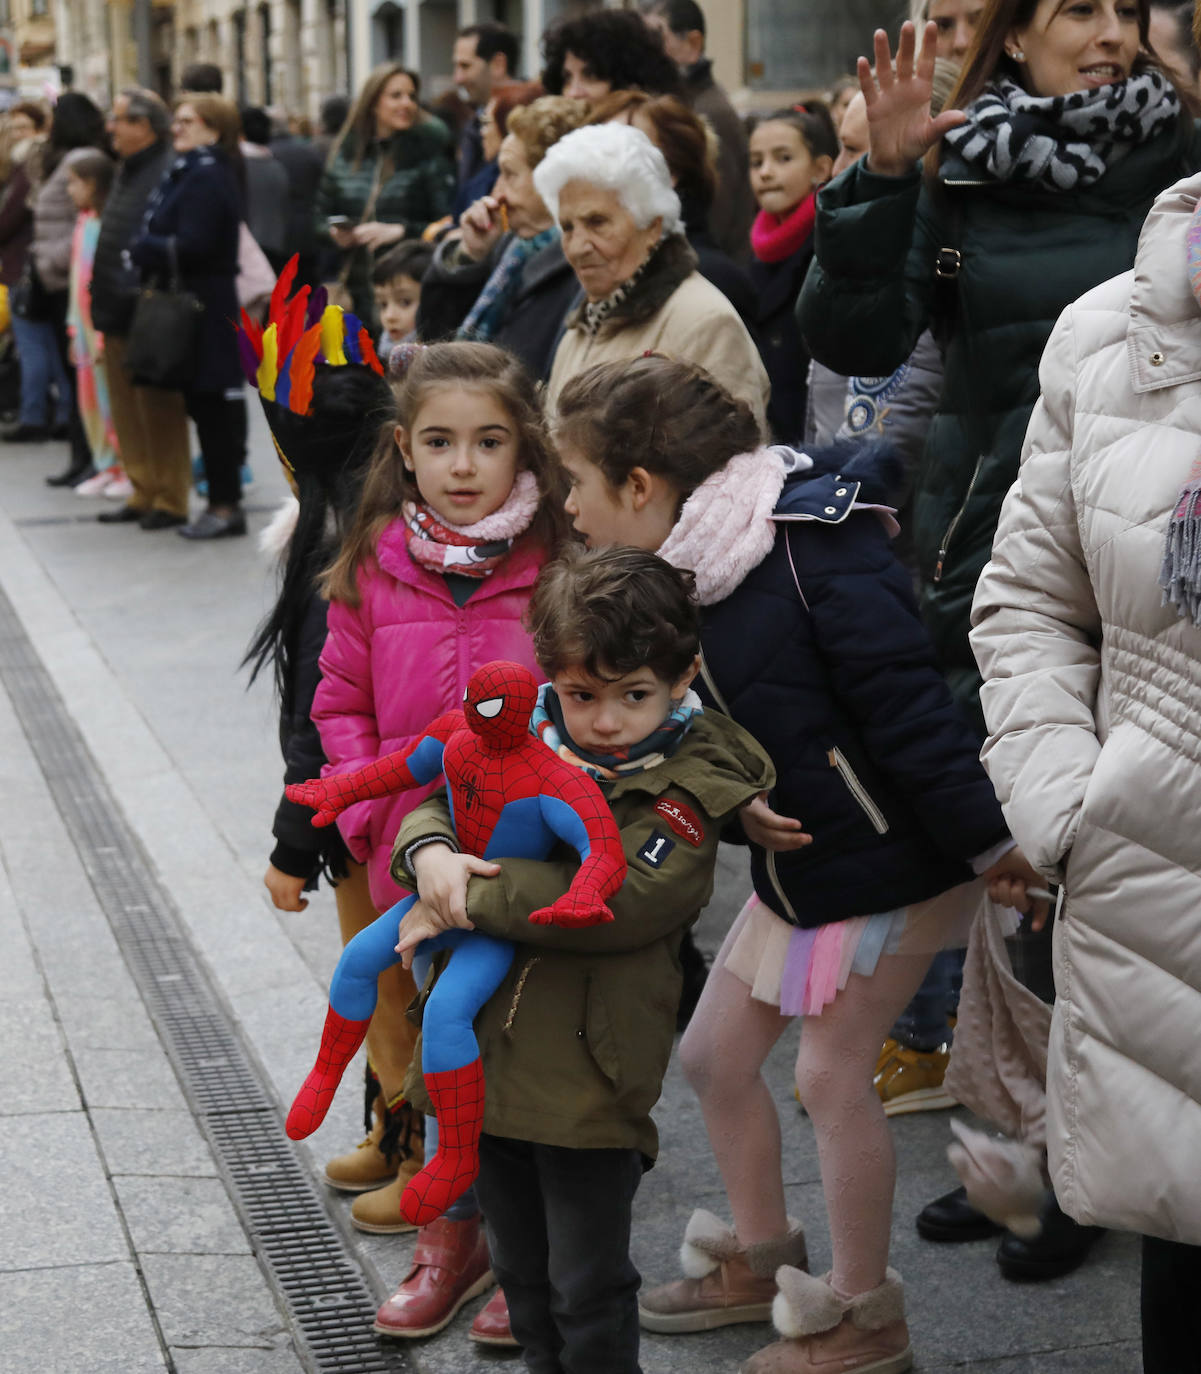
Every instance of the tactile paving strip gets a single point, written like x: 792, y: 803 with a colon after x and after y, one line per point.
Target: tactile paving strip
x: 301, y: 1250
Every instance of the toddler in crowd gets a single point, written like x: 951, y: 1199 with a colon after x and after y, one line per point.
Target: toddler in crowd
x: 576, y: 1040
x: 396, y: 280
x: 89, y: 176
x: 792, y: 154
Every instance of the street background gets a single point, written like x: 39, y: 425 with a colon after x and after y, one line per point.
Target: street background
x: 120, y: 1247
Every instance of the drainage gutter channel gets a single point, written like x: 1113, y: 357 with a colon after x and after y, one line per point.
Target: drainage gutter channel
x: 305, y: 1258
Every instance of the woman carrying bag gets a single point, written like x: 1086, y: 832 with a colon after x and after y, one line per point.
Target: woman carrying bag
x: 192, y: 224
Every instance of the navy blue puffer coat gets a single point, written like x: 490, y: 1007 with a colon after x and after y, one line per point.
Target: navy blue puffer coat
x: 821, y: 654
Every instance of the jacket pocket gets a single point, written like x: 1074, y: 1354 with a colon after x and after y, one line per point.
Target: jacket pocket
x: 838, y: 760
x: 599, y: 1033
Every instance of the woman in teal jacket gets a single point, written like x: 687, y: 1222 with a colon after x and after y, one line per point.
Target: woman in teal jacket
x: 1039, y: 174
x: 389, y: 175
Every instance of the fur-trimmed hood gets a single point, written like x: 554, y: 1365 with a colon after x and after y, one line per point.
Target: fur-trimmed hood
x: 672, y: 262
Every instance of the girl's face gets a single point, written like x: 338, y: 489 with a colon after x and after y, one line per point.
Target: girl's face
x: 603, y: 716
x: 20, y: 126
x: 640, y: 513
x: 80, y: 191
x: 189, y: 131
x: 397, y: 108
x: 783, y: 170
x: 514, y: 187
x: 957, y: 21
x: 1076, y: 45
x: 463, y: 451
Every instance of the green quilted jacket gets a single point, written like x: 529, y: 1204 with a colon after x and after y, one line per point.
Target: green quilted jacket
x: 417, y: 189
x: 1025, y: 255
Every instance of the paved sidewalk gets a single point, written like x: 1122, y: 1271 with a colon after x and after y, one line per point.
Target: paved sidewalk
x: 120, y: 1248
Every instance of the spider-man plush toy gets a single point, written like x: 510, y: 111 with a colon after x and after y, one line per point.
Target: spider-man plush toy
x: 510, y: 797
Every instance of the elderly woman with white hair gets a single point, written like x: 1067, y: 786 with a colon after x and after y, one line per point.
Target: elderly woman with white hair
x: 610, y: 190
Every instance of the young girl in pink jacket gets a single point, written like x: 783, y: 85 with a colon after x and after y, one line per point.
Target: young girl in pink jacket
x: 460, y: 509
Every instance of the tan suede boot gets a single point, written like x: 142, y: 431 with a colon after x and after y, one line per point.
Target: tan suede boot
x: 725, y: 1283
x: 379, y: 1210
x: 375, y: 1160
x: 826, y: 1334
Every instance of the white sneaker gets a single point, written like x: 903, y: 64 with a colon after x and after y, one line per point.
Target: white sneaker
x: 98, y: 485
x: 119, y: 489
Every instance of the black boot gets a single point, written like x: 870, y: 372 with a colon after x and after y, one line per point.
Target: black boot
x: 951, y: 1219
x: 76, y: 473
x: 1059, y: 1247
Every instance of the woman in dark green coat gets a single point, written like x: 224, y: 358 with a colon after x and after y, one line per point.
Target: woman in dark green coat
x: 1039, y: 174
x: 389, y: 175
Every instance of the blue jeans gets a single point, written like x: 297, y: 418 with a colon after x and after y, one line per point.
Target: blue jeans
x: 41, y: 367
x: 923, y: 1023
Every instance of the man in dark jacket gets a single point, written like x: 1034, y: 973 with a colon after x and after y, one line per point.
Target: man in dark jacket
x: 303, y: 163
x: 151, y: 424
x: 681, y: 25
x: 485, y: 59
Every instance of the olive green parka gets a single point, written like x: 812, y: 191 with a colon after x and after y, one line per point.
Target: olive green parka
x: 576, y: 1040
x: 1024, y: 254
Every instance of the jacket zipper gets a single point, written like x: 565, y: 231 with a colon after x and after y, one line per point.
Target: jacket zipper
x: 778, y: 887
x: 857, y: 790
x: 955, y: 519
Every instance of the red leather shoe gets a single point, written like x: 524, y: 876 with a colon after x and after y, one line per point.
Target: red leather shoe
x: 450, y: 1266
x: 491, y: 1325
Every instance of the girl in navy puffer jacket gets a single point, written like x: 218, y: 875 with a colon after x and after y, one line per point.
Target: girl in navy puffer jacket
x: 812, y: 641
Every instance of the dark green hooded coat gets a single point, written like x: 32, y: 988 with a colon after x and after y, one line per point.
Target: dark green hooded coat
x: 1026, y: 254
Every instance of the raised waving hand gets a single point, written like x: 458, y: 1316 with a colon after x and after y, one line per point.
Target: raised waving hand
x: 900, y: 129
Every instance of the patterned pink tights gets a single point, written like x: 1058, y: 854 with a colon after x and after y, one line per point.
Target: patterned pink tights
x: 722, y: 1054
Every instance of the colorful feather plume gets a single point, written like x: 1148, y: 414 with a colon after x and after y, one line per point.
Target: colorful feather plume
x: 279, y: 358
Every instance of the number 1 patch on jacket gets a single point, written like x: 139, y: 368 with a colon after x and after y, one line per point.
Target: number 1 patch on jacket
x: 656, y: 849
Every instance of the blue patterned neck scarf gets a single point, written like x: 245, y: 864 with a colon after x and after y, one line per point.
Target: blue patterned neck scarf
x: 492, y: 304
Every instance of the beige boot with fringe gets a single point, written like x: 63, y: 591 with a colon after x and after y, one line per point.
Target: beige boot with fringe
x: 725, y: 1282
x: 826, y: 1334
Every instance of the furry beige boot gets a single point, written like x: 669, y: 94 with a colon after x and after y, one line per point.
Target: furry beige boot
x: 725, y: 1283
x: 824, y: 1333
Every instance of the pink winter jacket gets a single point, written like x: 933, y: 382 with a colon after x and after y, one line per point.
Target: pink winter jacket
x: 399, y: 660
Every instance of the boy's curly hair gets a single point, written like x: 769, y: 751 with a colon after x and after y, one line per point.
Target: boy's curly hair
x: 613, y: 611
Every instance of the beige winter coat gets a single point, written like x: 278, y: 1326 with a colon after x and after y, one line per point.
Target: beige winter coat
x: 673, y: 310
x: 1092, y: 696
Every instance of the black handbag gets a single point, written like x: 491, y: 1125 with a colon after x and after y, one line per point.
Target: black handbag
x: 163, y: 346
x: 28, y: 299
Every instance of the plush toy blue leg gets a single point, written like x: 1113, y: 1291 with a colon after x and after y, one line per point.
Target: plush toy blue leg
x: 354, y: 988
x: 477, y: 965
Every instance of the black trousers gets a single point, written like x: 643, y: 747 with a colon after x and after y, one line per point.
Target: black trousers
x: 1171, y: 1318
x: 559, y: 1234
x: 221, y: 427
x: 81, y: 451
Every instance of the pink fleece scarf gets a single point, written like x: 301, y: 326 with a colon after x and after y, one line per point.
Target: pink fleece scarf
x: 471, y: 550
x: 725, y: 528
x: 776, y: 237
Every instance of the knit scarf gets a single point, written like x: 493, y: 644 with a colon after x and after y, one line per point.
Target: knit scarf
x: 1180, y: 572
x: 725, y: 527
x: 776, y: 237
x: 547, y: 724
x: 471, y: 550
x: 491, y: 307
x: 1062, y: 142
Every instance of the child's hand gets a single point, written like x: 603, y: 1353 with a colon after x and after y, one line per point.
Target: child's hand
x: 285, y: 890
x: 482, y: 224
x: 770, y: 830
x: 442, y: 877
x: 419, y: 923
x: 1008, y: 882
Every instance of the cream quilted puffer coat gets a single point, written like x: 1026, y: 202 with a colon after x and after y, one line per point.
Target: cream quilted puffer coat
x: 1093, y: 701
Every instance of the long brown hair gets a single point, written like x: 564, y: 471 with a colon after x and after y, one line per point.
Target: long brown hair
x: 359, y: 129
x: 218, y: 114
x: 987, y: 58
x: 389, y: 484
x: 671, y: 417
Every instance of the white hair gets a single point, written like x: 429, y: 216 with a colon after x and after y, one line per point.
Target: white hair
x: 617, y: 157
